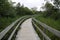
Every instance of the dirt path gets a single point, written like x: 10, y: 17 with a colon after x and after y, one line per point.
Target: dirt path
x: 27, y: 31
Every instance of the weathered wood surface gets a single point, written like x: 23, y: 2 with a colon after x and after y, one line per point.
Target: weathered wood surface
x: 27, y: 31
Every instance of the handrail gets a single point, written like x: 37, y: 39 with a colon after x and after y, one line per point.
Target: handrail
x: 2, y: 34
x: 52, y: 30
x: 10, y: 37
x: 45, y: 36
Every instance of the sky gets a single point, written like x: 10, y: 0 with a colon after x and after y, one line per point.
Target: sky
x: 31, y: 3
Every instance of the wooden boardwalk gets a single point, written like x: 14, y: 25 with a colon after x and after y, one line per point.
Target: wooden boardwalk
x: 27, y: 31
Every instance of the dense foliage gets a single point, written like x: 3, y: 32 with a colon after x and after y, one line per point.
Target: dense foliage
x: 8, y: 10
x: 52, y: 11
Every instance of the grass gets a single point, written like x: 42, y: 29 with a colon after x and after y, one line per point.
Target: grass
x: 52, y: 23
x: 4, y: 22
x: 9, y: 32
x: 49, y: 21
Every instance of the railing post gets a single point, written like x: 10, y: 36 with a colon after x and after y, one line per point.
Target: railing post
x: 44, y: 30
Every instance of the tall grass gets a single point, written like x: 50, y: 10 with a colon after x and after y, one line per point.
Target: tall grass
x: 49, y: 21
x: 4, y: 22
x: 52, y: 23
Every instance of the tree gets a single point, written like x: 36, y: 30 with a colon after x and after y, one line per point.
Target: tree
x: 6, y: 9
x: 28, y: 11
x: 34, y: 9
x: 21, y: 10
x: 18, y: 9
x: 49, y: 9
x: 57, y: 6
x: 57, y: 3
x: 3, y: 5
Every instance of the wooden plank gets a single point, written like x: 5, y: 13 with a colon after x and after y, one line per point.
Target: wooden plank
x: 44, y: 35
x: 52, y: 30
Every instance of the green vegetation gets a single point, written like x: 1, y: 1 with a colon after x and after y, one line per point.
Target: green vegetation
x: 4, y: 22
x: 9, y: 13
x: 51, y: 17
x: 10, y: 31
x: 49, y: 21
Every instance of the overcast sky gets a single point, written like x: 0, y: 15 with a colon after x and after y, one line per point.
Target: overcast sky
x: 31, y: 3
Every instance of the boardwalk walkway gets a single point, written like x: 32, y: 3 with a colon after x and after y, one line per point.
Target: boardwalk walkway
x: 27, y: 31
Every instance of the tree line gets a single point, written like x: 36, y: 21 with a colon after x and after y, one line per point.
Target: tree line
x: 52, y: 10
x: 8, y: 10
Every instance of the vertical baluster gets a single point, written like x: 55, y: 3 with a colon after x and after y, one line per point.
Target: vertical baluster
x: 44, y: 30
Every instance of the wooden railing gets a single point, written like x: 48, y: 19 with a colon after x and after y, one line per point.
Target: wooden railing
x: 46, y: 27
x: 3, y: 33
